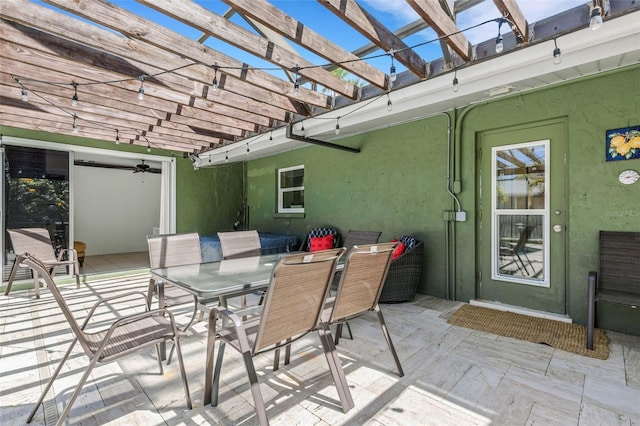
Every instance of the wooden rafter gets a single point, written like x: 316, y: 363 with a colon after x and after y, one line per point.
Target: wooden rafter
x: 367, y: 25
x: 275, y: 19
x: 511, y: 11
x: 443, y: 25
x: 219, y: 27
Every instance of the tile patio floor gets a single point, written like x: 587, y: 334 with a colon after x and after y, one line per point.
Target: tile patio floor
x: 453, y: 375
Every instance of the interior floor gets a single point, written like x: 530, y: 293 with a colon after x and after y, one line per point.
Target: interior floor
x: 114, y: 262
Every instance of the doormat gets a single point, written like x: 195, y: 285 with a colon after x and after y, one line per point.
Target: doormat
x: 557, y: 334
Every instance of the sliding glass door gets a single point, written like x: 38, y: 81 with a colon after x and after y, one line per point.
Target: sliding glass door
x: 35, y: 195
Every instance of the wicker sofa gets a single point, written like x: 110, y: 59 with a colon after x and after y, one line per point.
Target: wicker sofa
x: 404, y: 275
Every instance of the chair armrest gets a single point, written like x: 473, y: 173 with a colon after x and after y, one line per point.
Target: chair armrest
x: 109, y: 299
x: 238, y: 325
x: 72, y: 252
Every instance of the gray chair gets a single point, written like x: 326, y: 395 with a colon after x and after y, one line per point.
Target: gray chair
x: 239, y: 244
x: 125, y: 336
x: 358, y: 238
x: 37, y: 242
x: 292, y: 308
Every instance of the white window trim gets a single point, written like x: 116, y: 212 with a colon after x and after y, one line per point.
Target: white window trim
x: 281, y: 191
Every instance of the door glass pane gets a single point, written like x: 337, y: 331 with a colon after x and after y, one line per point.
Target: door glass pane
x: 520, y: 213
x: 36, y: 195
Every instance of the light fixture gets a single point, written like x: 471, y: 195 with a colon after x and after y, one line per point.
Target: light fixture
x: 75, y: 125
x: 74, y: 98
x: 500, y: 40
x: 117, y: 137
x: 456, y: 85
x: 302, y: 128
x: 25, y: 95
x: 148, y: 146
x: 247, y: 148
x: 226, y: 157
x: 296, y: 84
x: 214, y: 83
x: 389, y: 103
x: 557, y: 58
x: 141, y: 89
x: 596, y: 18
x: 392, y: 71
x: 338, y: 126
x: 271, y: 136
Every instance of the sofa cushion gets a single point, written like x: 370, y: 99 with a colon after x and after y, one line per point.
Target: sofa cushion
x: 321, y: 243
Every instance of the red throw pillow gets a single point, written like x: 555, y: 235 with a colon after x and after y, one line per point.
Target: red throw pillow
x: 398, y: 251
x: 322, y: 243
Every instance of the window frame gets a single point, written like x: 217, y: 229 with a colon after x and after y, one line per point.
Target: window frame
x: 282, y: 191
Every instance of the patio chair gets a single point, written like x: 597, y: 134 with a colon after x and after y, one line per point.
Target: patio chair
x: 239, y: 244
x: 363, y: 276
x: 357, y: 238
x: 37, y: 242
x: 125, y: 336
x: 404, y: 272
x: 176, y: 250
x: 518, y: 251
x: 292, y: 308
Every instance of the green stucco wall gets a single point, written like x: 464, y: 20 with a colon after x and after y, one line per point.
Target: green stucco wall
x: 397, y: 184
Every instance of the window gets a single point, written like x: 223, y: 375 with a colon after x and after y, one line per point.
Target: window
x: 291, y: 190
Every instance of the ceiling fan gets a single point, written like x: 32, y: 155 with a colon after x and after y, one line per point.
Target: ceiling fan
x: 141, y: 168
x: 138, y: 168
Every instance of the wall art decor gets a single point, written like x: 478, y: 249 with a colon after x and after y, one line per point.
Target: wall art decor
x: 623, y: 144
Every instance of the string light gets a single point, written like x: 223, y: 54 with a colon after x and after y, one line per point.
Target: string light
x: 338, y: 126
x: 296, y: 85
x: 392, y: 69
x: 74, y: 98
x: 75, y: 125
x: 143, y: 77
x: 214, y: 83
x: 25, y: 95
x: 456, y: 85
x: 302, y: 127
x: 556, y: 53
x: 117, y: 137
x: 389, y: 103
x: 271, y: 135
x: 247, y: 148
x: 500, y: 40
x: 596, y: 18
x: 148, y: 146
x: 226, y: 157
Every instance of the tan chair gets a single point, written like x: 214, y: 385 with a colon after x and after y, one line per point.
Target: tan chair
x: 126, y: 335
x: 176, y: 250
x: 37, y: 242
x: 292, y: 308
x: 363, y: 276
x: 239, y: 244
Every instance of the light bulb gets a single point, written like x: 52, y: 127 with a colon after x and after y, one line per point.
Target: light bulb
x: 499, y: 44
x: 389, y: 105
x: 75, y: 125
x: 456, y: 86
x: 392, y: 73
x: 74, y: 100
x: 25, y: 95
x: 596, y: 18
x: 214, y: 84
x: 148, y: 147
x: 296, y: 87
x: 141, y: 94
x: 226, y: 157
x: 247, y: 149
x: 337, y: 128
x: 557, y: 58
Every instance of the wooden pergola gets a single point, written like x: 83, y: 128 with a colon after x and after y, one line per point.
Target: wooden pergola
x: 196, y: 98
